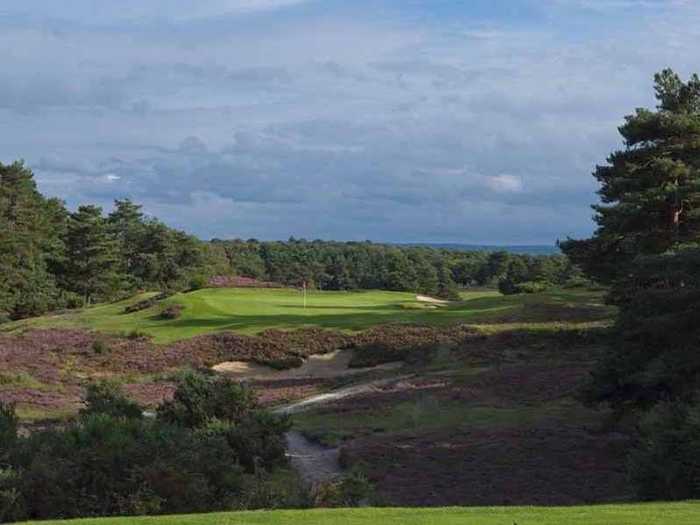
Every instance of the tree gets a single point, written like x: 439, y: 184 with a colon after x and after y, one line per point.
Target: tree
x: 650, y: 191
x: 30, y: 243
x: 91, y: 265
x: 645, y: 247
x: 126, y: 224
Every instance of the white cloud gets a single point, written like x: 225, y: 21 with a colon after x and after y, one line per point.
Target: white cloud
x: 504, y: 183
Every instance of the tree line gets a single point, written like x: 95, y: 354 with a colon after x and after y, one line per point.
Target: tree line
x: 329, y: 265
x: 52, y: 258
x: 647, y: 249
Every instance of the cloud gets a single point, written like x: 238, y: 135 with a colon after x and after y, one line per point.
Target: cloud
x: 324, y: 119
x: 504, y: 183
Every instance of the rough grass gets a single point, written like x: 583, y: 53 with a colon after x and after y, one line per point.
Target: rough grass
x: 251, y: 311
x: 641, y: 514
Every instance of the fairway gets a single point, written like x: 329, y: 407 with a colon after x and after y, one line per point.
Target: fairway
x: 642, y: 514
x: 251, y: 311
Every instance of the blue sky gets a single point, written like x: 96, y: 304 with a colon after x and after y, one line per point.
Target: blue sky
x: 407, y: 120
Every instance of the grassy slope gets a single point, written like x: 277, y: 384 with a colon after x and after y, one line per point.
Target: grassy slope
x: 253, y: 310
x: 647, y: 514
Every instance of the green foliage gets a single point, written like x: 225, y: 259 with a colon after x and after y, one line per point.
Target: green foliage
x: 665, y: 463
x: 107, y: 398
x: 649, y: 224
x: 350, y: 490
x: 365, y: 265
x: 30, y: 244
x: 99, y: 346
x: 508, y: 287
x: 113, y: 461
x: 646, y: 246
x: 90, y: 267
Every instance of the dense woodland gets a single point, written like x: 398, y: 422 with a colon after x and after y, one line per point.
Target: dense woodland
x: 365, y: 265
x: 53, y: 258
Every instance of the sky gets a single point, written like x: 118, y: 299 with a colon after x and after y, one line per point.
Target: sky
x: 467, y: 121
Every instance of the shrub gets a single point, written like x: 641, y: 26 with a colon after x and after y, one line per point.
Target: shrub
x: 665, y: 464
x: 107, y: 398
x: 145, y: 304
x: 282, y: 363
x: 137, y: 334
x: 4, y: 317
x: 350, y: 490
x: 112, y: 461
x: 509, y: 287
x: 172, y: 311
x: 197, y: 282
x: 449, y: 294
x: 100, y: 347
x: 199, y: 398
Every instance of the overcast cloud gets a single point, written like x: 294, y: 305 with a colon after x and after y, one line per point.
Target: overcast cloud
x: 405, y: 120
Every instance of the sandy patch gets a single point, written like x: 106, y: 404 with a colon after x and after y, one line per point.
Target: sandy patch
x: 321, y: 366
x: 431, y: 300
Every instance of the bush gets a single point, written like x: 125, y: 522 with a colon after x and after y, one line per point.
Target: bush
x: 100, y: 347
x: 4, y: 317
x: 145, y: 304
x: 111, y: 461
x: 197, y: 282
x: 665, y: 464
x: 282, y: 363
x: 509, y: 287
x: 351, y: 490
x: 107, y: 398
x: 199, y: 398
x: 172, y: 311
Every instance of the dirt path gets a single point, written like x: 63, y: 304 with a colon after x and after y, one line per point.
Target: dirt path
x: 315, y: 464
x: 341, y: 393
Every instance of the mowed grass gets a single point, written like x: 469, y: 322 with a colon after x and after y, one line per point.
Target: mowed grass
x: 639, y: 514
x: 251, y: 311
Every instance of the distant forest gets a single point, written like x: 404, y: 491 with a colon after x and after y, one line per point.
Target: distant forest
x: 52, y: 258
x: 331, y: 265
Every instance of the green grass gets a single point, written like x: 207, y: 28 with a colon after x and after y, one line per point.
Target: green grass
x: 250, y: 311
x: 640, y: 514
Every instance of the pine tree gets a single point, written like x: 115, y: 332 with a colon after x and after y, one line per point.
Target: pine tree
x: 650, y: 191
x: 91, y: 265
x: 126, y: 224
x: 30, y: 243
x: 645, y: 247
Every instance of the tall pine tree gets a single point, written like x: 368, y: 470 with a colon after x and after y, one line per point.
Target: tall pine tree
x: 646, y: 248
x: 91, y: 267
x: 30, y: 244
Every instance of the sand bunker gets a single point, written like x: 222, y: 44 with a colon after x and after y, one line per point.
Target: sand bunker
x: 431, y: 300
x: 333, y: 364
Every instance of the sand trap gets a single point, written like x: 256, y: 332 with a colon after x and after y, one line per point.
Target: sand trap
x: 431, y: 300
x: 333, y: 364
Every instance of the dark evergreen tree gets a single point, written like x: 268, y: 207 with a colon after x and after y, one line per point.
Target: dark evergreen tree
x: 30, y: 244
x: 648, y: 228
x: 92, y: 261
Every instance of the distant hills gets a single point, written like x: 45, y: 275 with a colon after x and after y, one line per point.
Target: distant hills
x: 529, y: 249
